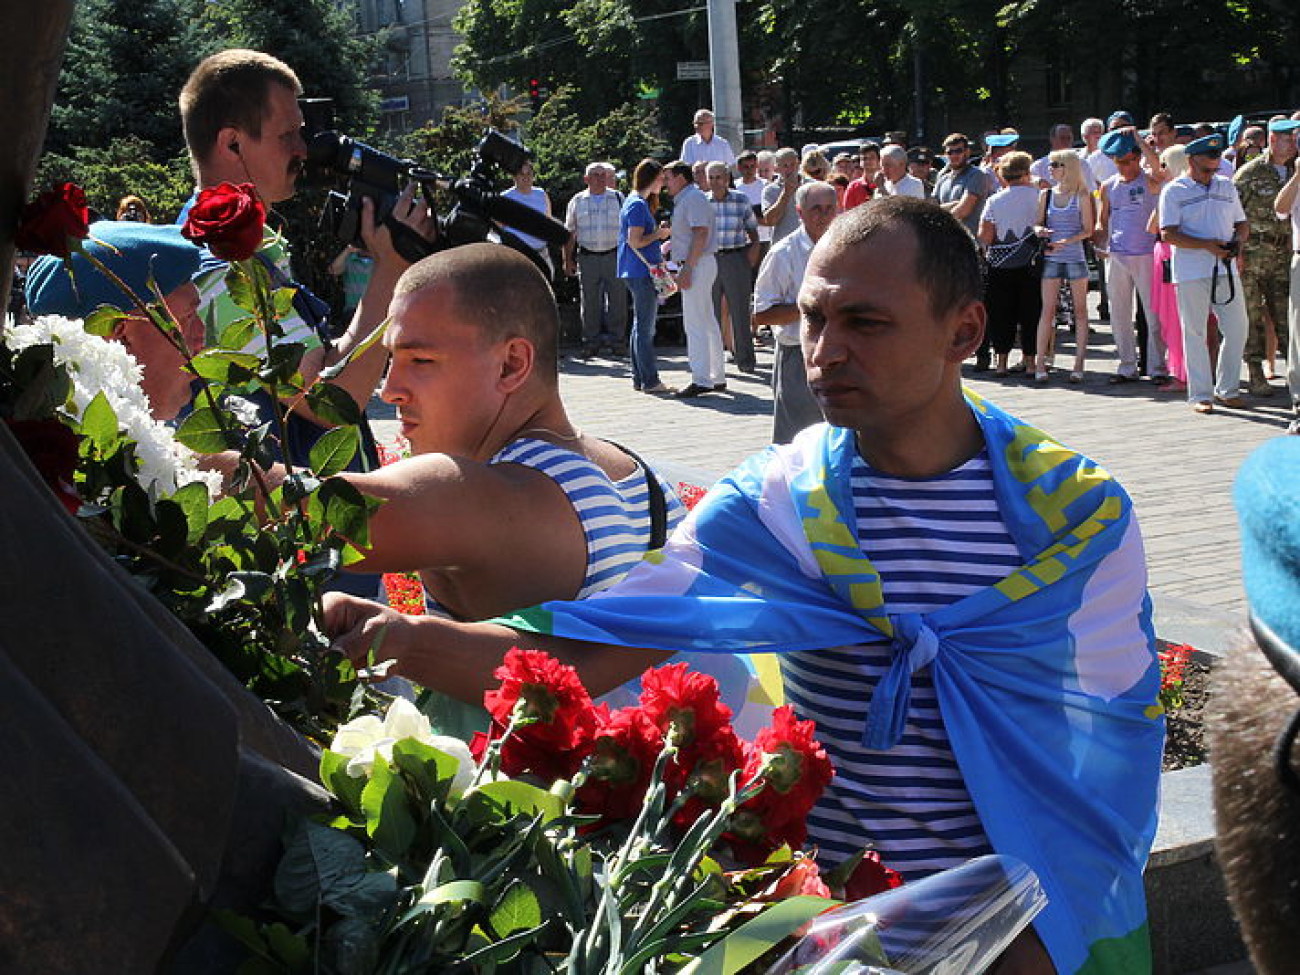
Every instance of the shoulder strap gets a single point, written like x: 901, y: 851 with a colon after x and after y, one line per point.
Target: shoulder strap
x: 658, y: 506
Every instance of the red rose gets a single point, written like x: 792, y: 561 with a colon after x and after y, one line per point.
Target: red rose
x: 871, y: 877
x: 228, y: 220
x: 52, y: 448
x: 802, y: 879
x: 51, y: 221
x: 627, y: 745
x: 555, y: 721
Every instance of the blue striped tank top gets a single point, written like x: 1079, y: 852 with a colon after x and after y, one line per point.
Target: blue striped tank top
x: 933, y: 542
x: 615, y: 515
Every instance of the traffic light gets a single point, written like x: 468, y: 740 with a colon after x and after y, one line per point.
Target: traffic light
x: 535, y: 92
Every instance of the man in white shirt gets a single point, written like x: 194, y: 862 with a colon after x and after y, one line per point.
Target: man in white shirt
x: 897, y: 181
x: 775, y: 294
x: 1202, y: 218
x: 693, y: 249
x: 706, y: 145
x: 1060, y: 137
x: 1099, y: 164
x: 591, y: 253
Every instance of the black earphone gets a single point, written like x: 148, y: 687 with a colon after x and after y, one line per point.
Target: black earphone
x: 234, y: 147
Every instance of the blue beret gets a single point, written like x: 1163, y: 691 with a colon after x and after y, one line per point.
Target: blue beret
x: 1283, y: 125
x: 131, y: 250
x: 1120, y: 116
x: 1207, y: 145
x: 1118, y: 143
x: 1234, y: 129
x: 1267, y: 495
x: 1001, y: 140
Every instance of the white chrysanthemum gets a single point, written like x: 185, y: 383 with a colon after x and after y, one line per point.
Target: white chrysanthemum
x: 96, y: 366
x: 365, y: 737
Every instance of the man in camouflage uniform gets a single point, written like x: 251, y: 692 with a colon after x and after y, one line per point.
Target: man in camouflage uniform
x: 1266, y: 254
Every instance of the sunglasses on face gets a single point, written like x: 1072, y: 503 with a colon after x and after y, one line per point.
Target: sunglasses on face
x: 1056, y: 165
x: 954, y: 150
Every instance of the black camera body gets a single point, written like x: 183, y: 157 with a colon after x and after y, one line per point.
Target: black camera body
x: 1233, y: 247
x: 367, y: 173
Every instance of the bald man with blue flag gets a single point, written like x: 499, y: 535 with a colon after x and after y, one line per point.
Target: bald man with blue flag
x: 956, y: 599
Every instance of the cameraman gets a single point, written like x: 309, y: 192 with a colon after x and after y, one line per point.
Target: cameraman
x: 1201, y: 217
x: 242, y: 124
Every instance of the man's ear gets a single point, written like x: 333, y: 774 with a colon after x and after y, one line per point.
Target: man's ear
x: 516, y: 363
x: 228, y: 144
x: 968, y: 331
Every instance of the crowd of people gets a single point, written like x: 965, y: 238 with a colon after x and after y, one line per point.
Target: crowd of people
x: 1188, y: 231
x: 937, y: 644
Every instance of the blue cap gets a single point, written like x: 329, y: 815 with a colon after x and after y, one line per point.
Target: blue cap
x: 1120, y: 116
x: 1207, y: 145
x: 131, y: 250
x: 1267, y: 495
x: 1118, y: 143
x: 1234, y: 129
x: 1284, y: 125
x: 1001, y: 140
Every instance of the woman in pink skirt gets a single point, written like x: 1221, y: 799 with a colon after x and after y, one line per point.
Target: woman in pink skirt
x: 1174, y: 161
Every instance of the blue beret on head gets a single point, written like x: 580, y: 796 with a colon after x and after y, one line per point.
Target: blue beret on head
x: 1234, y: 129
x: 1267, y: 495
x: 1207, y: 145
x: 1118, y: 143
x: 1284, y: 125
x: 1120, y: 116
x: 1001, y: 140
x: 131, y: 250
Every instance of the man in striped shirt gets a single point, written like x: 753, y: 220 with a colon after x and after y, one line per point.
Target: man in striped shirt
x: 505, y: 502
x: 947, y: 614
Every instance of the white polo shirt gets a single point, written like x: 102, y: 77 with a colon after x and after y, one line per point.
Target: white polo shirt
x: 1210, y: 212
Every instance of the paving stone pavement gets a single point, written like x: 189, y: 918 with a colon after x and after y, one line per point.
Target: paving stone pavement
x: 1177, y: 465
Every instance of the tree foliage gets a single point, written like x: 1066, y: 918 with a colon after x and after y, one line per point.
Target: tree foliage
x: 108, y: 173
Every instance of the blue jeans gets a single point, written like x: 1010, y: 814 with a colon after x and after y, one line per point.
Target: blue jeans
x: 641, y: 342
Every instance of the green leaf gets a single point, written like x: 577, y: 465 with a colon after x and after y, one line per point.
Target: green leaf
x: 333, y: 404
x: 756, y: 936
x: 202, y: 432
x: 238, y: 334
x: 45, y: 386
x: 242, y: 929
x: 334, y: 450
x: 503, y: 950
x: 388, y: 815
x: 173, y: 528
x: 240, y: 287
x: 327, y: 866
x: 517, y: 910
x: 346, y: 510
x: 429, y: 770
x: 281, y: 365
x: 99, y: 423
x: 456, y: 892
x: 103, y: 320
x: 499, y: 801
x: 334, y: 776
x: 290, y: 948
x: 282, y: 300
x: 222, y: 366
x: 193, y: 501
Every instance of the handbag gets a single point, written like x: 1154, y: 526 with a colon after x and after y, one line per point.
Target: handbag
x: 1025, y: 251
x: 664, y: 281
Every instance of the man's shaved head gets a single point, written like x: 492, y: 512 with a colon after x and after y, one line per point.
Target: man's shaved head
x: 496, y: 289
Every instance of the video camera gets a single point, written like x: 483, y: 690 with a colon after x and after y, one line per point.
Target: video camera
x: 480, y: 212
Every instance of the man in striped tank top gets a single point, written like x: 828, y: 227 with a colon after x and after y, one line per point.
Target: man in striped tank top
x: 505, y: 502
x: 957, y: 600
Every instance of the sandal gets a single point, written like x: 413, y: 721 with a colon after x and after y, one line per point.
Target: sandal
x: 1076, y: 377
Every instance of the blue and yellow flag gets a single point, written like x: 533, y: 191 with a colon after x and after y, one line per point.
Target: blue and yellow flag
x: 1047, y: 681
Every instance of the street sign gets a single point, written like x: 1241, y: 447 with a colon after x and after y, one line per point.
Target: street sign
x: 692, y: 70
x: 401, y: 103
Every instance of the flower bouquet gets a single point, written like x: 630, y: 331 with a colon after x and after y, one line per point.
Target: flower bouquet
x: 568, y: 838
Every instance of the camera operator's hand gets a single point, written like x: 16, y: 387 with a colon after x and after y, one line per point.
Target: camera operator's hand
x: 408, y: 212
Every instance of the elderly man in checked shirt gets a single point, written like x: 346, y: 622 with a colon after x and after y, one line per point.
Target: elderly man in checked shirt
x: 592, y: 219
x: 735, y: 229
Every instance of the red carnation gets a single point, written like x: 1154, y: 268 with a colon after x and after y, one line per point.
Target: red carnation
x: 554, y: 718
x: 871, y: 877
x: 685, y: 705
x: 803, y: 878
x: 228, y: 220
x: 627, y: 745
x: 691, y: 494
x: 53, y: 450
x: 796, y: 771
x: 52, y: 221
